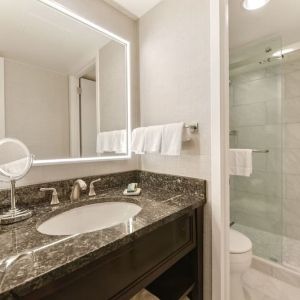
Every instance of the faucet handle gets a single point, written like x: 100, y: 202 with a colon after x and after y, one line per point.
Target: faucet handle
x: 54, y: 199
x: 92, y: 188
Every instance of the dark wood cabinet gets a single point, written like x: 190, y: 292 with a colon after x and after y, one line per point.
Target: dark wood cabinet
x: 166, y: 261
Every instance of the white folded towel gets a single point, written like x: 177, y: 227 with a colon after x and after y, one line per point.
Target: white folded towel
x: 112, y: 141
x: 120, y: 141
x: 144, y: 295
x: 153, y: 136
x: 138, y: 140
x: 240, y: 162
x: 172, y: 138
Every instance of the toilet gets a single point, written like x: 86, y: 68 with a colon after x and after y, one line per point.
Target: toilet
x: 240, y: 261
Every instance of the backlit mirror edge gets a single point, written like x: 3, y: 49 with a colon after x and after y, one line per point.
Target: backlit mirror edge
x: 126, y: 43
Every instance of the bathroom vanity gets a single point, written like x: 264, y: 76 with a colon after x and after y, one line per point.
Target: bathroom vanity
x: 159, y: 249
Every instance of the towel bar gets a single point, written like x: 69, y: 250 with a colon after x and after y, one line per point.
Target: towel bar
x: 193, y: 127
x: 261, y: 151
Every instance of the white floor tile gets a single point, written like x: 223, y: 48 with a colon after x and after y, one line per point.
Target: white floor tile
x: 259, y: 286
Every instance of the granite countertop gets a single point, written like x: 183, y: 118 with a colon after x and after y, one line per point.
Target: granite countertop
x: 56, y: 256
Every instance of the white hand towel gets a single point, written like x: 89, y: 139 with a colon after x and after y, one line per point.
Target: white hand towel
x: 104, y: 142
x: 240, y: 162
x: 172, y: 135
x: 153, y: 135
x: 138, y: 140
x: 119, y: 141
x: 112, y: 141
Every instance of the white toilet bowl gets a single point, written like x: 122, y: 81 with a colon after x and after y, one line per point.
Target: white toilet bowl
x: 240, y: 261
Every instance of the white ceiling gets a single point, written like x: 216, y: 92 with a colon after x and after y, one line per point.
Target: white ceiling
x: 136, y: 8
x: 37, y: 34
x: 277, y: 18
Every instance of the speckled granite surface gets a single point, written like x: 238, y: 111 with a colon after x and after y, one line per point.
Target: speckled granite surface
x: 52, y: 257
x: 31, y: 194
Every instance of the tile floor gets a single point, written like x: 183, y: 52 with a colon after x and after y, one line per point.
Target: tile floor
x: 259, y: 286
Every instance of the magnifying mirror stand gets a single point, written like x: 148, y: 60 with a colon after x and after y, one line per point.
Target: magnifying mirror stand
x: 14, y: 214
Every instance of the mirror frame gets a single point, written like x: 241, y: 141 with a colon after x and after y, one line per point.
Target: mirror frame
x: 60, y: 8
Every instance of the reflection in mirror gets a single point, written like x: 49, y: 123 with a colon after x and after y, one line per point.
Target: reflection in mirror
x: 15, y: 162
x: 65, y: 84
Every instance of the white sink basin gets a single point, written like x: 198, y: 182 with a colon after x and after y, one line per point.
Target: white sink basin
x: 89, y: 218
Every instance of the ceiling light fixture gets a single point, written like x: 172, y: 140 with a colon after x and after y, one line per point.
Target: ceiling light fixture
x: 254, y: 4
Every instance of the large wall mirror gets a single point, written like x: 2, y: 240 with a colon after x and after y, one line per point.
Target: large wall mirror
x: 64, y: 84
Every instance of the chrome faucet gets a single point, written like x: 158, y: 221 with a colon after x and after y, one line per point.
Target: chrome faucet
x: 79, y: 185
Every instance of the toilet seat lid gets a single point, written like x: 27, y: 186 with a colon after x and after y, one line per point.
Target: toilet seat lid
x: 239, y: 243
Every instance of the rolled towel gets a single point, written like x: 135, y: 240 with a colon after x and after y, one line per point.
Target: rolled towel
x: 138, y: 140
x: 144, y: 295
x: 153, y: 137
x: 240, y: 162
x: 172, y: 138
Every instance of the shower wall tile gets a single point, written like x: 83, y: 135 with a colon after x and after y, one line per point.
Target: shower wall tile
x: 256, y: 211
x: 292, y: 183
x: 291, y: 211
x: 273, y: 108
x: 291, y: 84
x: 292, y: 135
x: 290, y: 229
x: 290, y: 66
x: 291, y: 110
x: 250, y: 76
x: 291, y: 161
x: 249, y: 115
x: 260, y: 162
x: 274, y: 160
x: 291, y: 150
x: 257, y: 91
x: 264, y: 183
x: 259, y: 137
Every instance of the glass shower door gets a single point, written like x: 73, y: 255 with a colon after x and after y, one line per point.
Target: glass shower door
x: 256, y: 123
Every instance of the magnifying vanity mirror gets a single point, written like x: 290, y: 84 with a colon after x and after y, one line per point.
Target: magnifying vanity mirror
x: 15, y: 162
x: 64, y: 84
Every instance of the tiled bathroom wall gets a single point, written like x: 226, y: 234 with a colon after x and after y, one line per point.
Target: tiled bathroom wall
x: 291, y: 148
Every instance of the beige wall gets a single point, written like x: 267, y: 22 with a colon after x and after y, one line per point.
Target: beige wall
x: 175, y: 86
x: 174, y: 80
x: 37, y: 109
x: 101, y: 13
x: 112, y: 74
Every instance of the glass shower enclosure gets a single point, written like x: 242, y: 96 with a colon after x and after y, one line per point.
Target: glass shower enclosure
x: 256, y: 122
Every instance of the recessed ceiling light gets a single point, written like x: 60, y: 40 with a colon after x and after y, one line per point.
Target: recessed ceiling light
x: 254, y: 4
